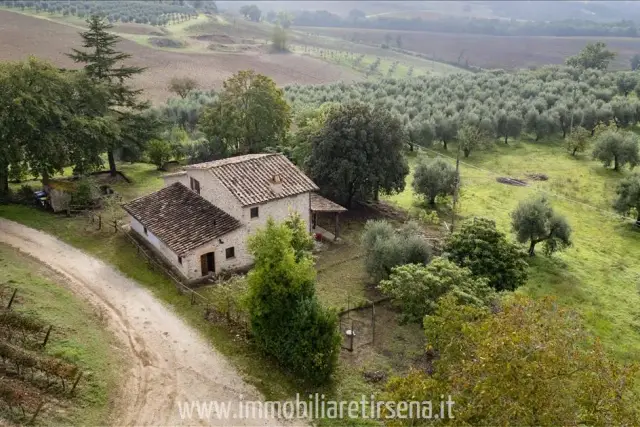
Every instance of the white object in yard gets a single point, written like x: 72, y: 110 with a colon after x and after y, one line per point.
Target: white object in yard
x: 350, y: 333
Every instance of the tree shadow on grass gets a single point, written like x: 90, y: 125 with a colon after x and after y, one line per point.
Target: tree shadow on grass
x: 551, y: 276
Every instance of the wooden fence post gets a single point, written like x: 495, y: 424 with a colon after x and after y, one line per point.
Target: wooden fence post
x: 76, y: 382
x: 373, y: 323
x: 15, y: 291
x: 46, y: 337
x: 33, y: 418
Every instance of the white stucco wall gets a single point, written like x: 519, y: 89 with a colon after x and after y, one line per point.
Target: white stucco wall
x: 211, y: 189
x: 236, y: 239
x: 170, y: 256
x: 279, y: 210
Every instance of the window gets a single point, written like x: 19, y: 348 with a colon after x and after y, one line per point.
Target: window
x: 254, y: 212
x: 231, y: 252
x: 180, y: 260
x: 145, y: 230
x: 195, y: 185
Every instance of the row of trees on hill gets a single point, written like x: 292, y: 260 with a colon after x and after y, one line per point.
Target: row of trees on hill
x: 141, y: 12
x: 583, y: 104
x: 543, y: 103
x: 53, y: 118
x: 450, y: 24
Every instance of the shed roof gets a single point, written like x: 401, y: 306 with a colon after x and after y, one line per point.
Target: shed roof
x: 180, y: 218
x: 249, y: 177
x: 320, y: 204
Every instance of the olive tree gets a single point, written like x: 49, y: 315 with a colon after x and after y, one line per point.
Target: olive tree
x: 508, y: 125
x: 617, y: 148
x: 534, y: 221
x: 628, y: 193
x: 578, y: 140
x: 471, y: 138
x: 433, y: 178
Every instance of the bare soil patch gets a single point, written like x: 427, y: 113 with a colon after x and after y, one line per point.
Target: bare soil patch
x: 488, y: 51
x: 23, y: 36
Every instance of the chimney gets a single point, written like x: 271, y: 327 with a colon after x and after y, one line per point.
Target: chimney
x: 275, y: 183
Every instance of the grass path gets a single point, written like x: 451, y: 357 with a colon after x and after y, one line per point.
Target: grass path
x: 599, y: 275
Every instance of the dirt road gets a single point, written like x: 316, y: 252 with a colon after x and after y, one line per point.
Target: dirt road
x: 170, y: 363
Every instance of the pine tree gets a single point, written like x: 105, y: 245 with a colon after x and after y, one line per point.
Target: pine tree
x: 103, y: 63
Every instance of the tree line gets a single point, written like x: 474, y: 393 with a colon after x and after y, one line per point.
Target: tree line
x: 53, y: 118
x: 494, y: 27
x: 140, y: 12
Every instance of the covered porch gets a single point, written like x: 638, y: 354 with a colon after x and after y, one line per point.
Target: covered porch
x: 322, y: 206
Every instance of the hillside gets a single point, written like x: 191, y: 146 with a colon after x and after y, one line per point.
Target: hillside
x: 485, y: 51
x: 24, y: 35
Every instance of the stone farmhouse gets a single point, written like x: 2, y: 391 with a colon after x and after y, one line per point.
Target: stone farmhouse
x: 200, y: 221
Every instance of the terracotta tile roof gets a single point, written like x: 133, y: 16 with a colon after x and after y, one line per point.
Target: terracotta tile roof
x: 249, y: 177
x: 180, y: 218
x: 320, y: 204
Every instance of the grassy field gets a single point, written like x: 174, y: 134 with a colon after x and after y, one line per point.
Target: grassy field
x: 599, y: 275
x: 386, y: 66
x: 79, y: 335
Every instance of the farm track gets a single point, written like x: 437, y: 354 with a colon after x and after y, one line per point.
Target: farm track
x: 170, y: 362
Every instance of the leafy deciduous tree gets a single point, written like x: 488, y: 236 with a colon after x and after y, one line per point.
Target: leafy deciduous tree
x: 479, y: 246
x: 532, y: 350
x: 357, y: 153
x: 249, y: 115
x: 594, y: 55
x: 471, y: 138
x: 181, y: 86
x: 578, y: 140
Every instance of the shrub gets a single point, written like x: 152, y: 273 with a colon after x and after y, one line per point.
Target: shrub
x: 159, y: 152
x: 85, y: 193
x: 386, y: 248
x: 416, y: 289
x: 25, y: 194
x: 479, y: 246
x: 287, y: 321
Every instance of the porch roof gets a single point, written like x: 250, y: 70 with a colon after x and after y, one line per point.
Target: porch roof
x: 321, y: 204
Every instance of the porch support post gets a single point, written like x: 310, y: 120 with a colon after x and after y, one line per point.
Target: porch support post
x: 337, y: 227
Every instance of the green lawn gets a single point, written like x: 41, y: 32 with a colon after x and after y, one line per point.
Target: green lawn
x: 599, y: 275
x: 79, y: 335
